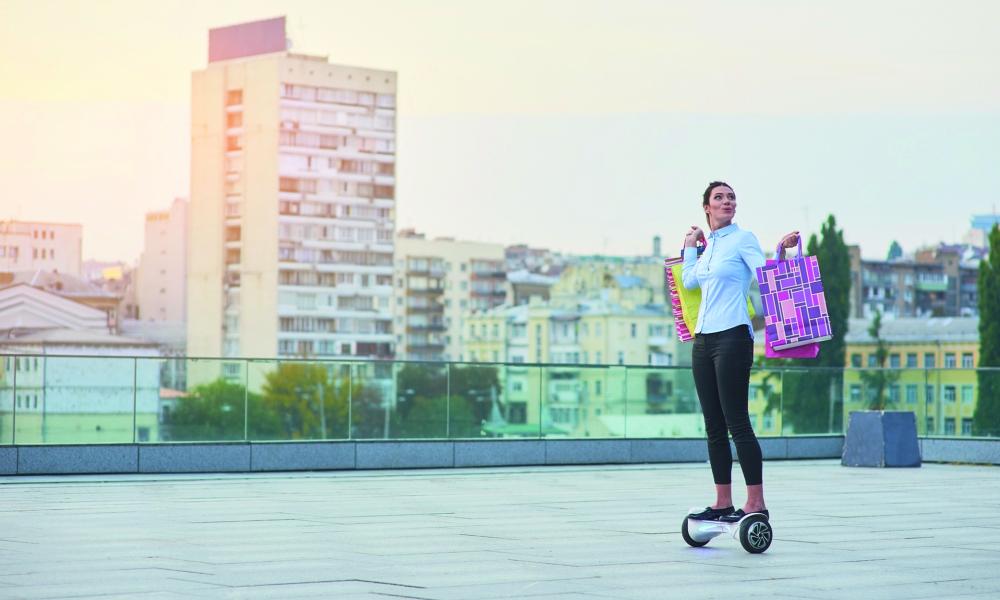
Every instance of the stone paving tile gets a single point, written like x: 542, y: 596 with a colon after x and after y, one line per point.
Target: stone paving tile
x: 481, y: 534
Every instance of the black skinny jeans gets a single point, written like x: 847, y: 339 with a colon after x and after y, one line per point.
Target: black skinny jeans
x: 721, y: 364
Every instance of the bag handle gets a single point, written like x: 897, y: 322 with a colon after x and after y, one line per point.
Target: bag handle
x: 777, y: 251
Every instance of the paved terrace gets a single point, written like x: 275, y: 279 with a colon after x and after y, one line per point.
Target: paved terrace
x: 548, y: 532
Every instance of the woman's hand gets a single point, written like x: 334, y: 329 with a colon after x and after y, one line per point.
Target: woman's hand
x: 789, y: 241
x: 692, y: 236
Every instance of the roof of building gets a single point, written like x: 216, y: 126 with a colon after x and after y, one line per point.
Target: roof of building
x: 944, y: 329
x: 172, y: 334
x: 626, y: 282
x: 523, y: 276
x: 61, y: 284
x: 74, y: 337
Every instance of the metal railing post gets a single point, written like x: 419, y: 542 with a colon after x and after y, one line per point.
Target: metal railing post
x: 135, y: 395
x: 13, y: 406
x: 246, y: 399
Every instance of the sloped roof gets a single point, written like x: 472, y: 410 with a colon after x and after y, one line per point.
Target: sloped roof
x: 60, y: 283
x: 23, y: 306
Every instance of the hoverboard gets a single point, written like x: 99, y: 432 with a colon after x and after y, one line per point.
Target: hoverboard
x: 754, y: 530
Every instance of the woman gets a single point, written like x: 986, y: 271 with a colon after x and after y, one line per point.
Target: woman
x: 723, y: 346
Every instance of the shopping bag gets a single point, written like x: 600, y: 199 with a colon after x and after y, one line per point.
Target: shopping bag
x: 679, y: 298
x: 684, y: 303
x: 808, y: 351
x: 795, y: 312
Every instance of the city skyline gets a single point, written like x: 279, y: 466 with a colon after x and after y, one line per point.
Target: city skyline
x: 621, y: 112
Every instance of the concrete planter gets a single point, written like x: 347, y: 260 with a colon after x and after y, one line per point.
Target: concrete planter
x: 878, y: 438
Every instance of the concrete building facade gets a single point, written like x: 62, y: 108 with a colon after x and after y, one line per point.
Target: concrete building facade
x: 161, y: 276
x: 292, y: 202
x: 939, y: 282
x: 438, y: 282
x: 39, y: 246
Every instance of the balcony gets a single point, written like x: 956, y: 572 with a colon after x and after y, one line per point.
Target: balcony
x: 426, y: 328
x: 424, y: 291
x: 428, y: 346
x: 489, y: 274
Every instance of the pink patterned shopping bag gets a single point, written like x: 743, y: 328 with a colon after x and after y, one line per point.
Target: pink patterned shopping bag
x: 795, y: 312
x: 673, y: 291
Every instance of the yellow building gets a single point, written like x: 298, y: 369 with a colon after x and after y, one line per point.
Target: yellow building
x: 930, y: 370
x: 585, y: 388
x: 589, y: 275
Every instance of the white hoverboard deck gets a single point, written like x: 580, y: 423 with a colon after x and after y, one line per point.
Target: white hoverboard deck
x: 753, y: 530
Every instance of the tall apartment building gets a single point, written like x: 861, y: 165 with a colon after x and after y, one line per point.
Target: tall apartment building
x: 292, y: 201
x: 37, y: 246
x: 438, y: 281
x: 161, y: 277
x: 940, y: 282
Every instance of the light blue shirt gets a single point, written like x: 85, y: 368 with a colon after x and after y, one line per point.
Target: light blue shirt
x: 723, y: 273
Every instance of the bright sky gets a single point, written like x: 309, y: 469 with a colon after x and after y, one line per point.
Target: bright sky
x: 580, y: 125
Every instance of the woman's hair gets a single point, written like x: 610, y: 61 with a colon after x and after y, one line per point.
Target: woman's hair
x: 708, y: 193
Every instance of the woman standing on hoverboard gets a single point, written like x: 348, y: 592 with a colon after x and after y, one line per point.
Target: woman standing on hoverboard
x: 723, y: 347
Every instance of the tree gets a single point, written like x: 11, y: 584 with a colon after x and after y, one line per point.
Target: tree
x: 812, y: 400
x: 306, y: 401
x: 986, y: 418
x: 895, y: 251
x: 215, y: 411
x: 878, y: 380
x: 434, y: 401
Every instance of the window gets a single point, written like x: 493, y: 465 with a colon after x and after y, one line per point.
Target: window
x: 928, y: 360
x: 872, y: 360
x: 949, y: 393
x: 855, y: 393
x: 967, y: 392
x: 234, y: 119
x: 967, y: 360
x: 911, y: 393
x: 633, y: 329
x: 966, y: 426
x: 949, y: 360
x: 234, y: 97
x: 911, y: 360
x: 856, y: 361
x: 949, y: 426
x: 930, y: 425
x: 929, y: 393
x: 894, y: 361
x: 894, y: 393
x: 597, y: 387
x: 231, y: 370
x: 621, y: 358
